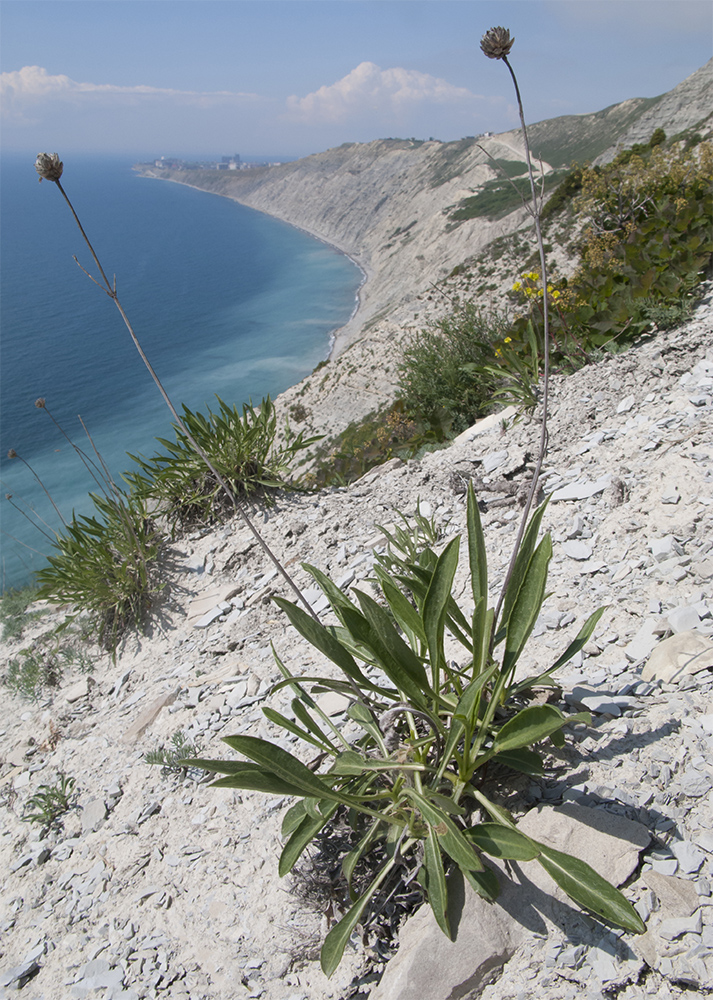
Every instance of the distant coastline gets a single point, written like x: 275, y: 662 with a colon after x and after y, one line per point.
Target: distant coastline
x: 336, y: 345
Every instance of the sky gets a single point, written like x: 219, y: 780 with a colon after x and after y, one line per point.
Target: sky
x: 285, y: 78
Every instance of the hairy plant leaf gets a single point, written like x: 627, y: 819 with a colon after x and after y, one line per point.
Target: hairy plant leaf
x: 323, y: 640
x: 525, y: 761
x: 527, y: 548
x: 282, y: 764
x: 436, y: 603
x: 436, y: 881
x: 485, y: 883
x: 336, y: 941
x: 503, y: 842
x: 580, y: 640
x: 587, y: 888
x: 527, y: 604
x: 291, y: 727
x: 303, y: 835
x: 400, y: 663
x: 477, y: 557
x: 529, y: 726
x: 450, y: 837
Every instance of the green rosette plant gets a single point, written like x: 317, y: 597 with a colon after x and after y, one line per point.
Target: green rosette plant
x: 415, y: 777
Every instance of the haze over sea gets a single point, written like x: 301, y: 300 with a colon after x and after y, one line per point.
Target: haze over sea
x: 224, y: 300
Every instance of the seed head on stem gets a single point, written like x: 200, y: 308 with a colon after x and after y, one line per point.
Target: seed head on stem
x: 496, y: 43
x: 49, y: 166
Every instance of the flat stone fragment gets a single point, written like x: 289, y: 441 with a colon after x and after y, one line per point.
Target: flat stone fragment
x: 643, y: 643
x: 576, y: 549
x: 16, y: 977
x: 626, y: 404
x: 694, y: 784
x: 690, y: 858
x: 677, y: 896
x: 685, y: 653
x: 665, y: 548
x: 149, y: 715
x: 494, y: 460
x: 93, y: 815
x: 581, y: 490
x: 676, y: 926
x: 684, y: 619
x: 77, y: 691
x: 208, y: 601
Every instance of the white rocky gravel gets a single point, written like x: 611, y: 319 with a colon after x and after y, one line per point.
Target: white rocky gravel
x: 163, y: 887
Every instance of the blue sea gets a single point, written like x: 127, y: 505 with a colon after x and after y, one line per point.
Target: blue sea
x: 223, y: 299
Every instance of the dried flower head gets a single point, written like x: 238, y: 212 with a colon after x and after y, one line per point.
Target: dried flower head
x: 40, y: 403
x: 12, y: 453
x: 49, y: 166
x: 496, y: 43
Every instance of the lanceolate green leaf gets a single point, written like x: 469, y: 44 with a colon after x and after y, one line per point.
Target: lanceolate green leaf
x: 525, y: 761
x: 524, y: 556
x: 529, y: 726
x: 404, y: 612
x: 322, y: 639
x: 589, y: 889
x: 503, y: 842
x: 581, y: 639
x: 436, y: 604
x: 303, y: 835
x: 291, y: 727
x: 476, y: 551
x: 436, y: 880
x: 282, y: 764
x: 527, y: 605
x: 450, y: 837
x: 336, y: 940
x: 485, y: 883
x: 398, y: 660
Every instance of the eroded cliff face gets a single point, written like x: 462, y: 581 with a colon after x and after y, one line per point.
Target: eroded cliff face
x: 389, y: 204
x: 386, y: 203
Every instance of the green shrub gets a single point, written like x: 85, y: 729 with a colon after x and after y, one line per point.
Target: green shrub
x: 415, y: 782
x: 241, y: 448
x: 104, y: 566
x: 439, y: 376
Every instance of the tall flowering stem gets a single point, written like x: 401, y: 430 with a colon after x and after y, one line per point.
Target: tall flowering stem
x: 496, y: 44
x: 49, y: 167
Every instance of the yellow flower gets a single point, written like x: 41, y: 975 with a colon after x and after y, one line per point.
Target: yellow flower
x: 517, y: 286
x: 508, y: 340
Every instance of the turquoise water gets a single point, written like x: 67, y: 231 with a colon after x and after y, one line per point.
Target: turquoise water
x: 224, y: 300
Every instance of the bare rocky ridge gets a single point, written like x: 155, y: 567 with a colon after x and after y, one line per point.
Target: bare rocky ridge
x: 163, y: 887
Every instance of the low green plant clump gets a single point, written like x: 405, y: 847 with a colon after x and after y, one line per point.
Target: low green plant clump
x: 50, y: 802
x: 104, y: 566
x: 442, y: 376
x: 240, y: 446
x: 13, y: 610
x: 41, y: 666
x: 169, y: 758
x: 438, y: 738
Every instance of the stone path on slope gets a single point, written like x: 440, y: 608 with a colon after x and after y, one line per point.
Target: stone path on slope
x: 159, y: 886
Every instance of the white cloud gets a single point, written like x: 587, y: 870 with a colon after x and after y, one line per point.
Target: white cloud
x: 368, y: 89
x: 32, y: 86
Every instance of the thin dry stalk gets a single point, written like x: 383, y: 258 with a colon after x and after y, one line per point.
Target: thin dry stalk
x: 50, y: 168
x: 496, y: 44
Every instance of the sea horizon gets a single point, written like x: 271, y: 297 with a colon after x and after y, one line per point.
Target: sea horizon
x: 225, y: 300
